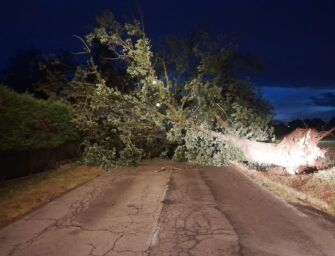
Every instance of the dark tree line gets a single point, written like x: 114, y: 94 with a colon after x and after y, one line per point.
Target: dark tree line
x: 282, y: 128
x: 48, y: 75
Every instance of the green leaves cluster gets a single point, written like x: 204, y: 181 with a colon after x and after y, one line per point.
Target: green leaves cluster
x: 117, y: 128
x: 199, y: 148
x: 129, y: 44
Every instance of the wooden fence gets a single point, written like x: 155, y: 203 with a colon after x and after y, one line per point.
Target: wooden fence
x: 18, y: 164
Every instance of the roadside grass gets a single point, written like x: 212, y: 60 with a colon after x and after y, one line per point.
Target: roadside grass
x: 315, y: 193
x: 20, y: 196
x: 315, y: 189
x: 330, y: 143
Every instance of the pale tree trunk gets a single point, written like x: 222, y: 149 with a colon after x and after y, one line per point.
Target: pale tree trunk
x: 296, y: 152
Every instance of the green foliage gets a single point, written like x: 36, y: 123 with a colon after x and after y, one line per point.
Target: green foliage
x: 117, y: 129
x: 214, y: 99
x: 198, y: 148
x: 129, y: 44
x: 27, y: 123
x: 52, y: 76
x: 120, y: 126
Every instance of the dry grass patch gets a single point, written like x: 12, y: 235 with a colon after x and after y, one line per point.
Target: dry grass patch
x: 20, y: 196
x: 320, y: 185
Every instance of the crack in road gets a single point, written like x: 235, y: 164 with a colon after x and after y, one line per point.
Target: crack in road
x: 155, y: 230
x: 207, y: 182
x: 186, y: 223
x: 114, y: 245
x: 184, y: 211
x: 189, y: 236
x: 75, y: 209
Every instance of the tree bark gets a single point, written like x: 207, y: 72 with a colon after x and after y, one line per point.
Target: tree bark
x: 296, y: 152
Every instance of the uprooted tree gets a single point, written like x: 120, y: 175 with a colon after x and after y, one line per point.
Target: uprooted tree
x: 187, y: 96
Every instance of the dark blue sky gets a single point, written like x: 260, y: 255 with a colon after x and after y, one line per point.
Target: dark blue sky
x: 294, y: 40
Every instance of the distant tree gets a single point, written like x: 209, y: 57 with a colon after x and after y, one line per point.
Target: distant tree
x: 219, y: 54
x: 296, y: 123
x: 114, y: 72
x: 22, y: 70
x: 280, y: 128
x: 331, y: 123
x: 315, y: 123
x: 53, y: 74
x: 45, y: 76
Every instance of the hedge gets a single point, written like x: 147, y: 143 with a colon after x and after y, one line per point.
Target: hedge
x: 27, y: 123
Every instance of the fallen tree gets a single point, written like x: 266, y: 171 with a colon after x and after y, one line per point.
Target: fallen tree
x: 207, y: 99
x: 297, y: 152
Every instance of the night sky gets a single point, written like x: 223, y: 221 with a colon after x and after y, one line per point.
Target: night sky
x: 294, y: 40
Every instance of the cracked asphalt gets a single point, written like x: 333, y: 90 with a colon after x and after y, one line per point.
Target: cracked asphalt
x: 182, y: 210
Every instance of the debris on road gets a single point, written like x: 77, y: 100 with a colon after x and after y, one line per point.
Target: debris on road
x: 168, y: 168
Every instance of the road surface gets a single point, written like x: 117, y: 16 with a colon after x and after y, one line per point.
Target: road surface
x: 181, y: 210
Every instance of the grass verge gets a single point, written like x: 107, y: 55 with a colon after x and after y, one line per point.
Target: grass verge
x: 316, y: 190
x: 20, y: 196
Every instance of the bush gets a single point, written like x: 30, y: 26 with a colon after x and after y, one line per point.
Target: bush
x: 198, y: 148
x: 114, y: 131
x: 27, y: 123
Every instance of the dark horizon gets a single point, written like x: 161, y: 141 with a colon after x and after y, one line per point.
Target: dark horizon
x: 294, y: 41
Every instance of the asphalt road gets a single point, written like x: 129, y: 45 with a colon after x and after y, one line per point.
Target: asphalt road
x: 178, y: 211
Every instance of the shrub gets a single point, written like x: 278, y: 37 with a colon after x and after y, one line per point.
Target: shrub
x: 198, y: 148
x: 27, y: 123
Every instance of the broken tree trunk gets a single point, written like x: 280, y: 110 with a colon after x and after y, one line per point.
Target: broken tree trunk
x: 296, y: 152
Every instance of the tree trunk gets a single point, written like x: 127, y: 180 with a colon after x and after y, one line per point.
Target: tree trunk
x: 296, y: 152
